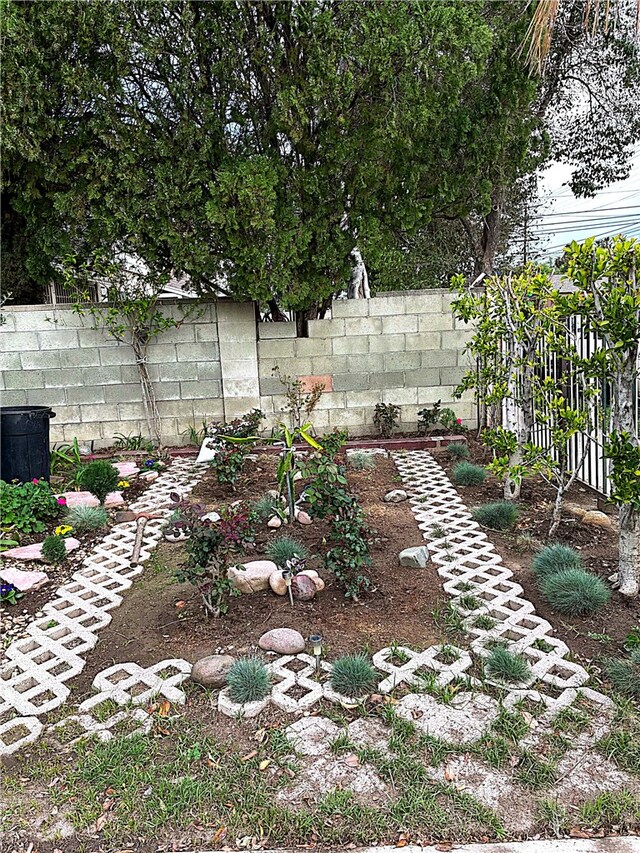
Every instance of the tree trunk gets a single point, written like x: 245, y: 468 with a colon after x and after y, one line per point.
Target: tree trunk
x: 629, y: 544
x: 151, y: 412
x: 359, y: 284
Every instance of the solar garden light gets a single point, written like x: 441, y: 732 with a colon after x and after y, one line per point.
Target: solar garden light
x: 315, y: 640
x: 287, y: 574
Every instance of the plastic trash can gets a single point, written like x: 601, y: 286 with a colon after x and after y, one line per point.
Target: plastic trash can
x: 24, y: 443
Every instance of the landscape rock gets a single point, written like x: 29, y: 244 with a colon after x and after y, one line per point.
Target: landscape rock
x: 575, y: 510
x: 24, y: 580
x: 87, y: 499
x: 303, y: 587
x: 125, y: 515
x: 277, y: 584
x: 126, y: 469
x: 34, y: 552
x: 594, y: 518
x: 395, y: 496
x: 274, y: 523
x: 315, y: 577
x: 415, y: 558
x: 211, y: 671
x: 284, y: 641
x: 303, y: 517
x: 212, y: 516
x: 149, y: 476
x: 253, y: 577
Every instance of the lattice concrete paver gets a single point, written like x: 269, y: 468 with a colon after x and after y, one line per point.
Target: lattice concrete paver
x: 137, y: 719
x: 128, y: 683
x: 18, y: 732
x: 463, y: 722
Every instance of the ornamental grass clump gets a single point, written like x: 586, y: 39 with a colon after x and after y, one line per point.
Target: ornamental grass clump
x: 504, y: 665
x: 353, y: 676
x: 468, y: 474
x: 266, y: 507
x: 54, y: 550
x: 248, y: 681
x: 83, y: 518
x: 285, y: 548
x: 500, y: 515
x: 555, y: 558
x: 361, y: 461
x: 624, y: 674
x: 458, y: 451
x: 100, y: 478
x: 575, y: 592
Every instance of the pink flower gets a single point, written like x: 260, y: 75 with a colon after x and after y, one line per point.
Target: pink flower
x: 62, y: 501
x: 459, y: 421
x: 35, y: 480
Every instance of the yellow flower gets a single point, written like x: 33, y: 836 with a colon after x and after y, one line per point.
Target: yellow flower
x: 123, y: 484
x: 63, y: 529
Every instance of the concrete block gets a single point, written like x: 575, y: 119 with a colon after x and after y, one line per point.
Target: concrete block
x: 372, y: 363
x: 326, y: 328
x: 276, y: 349
x: 202, y: 389
x: 170, y: 372
x: 9, y: 326
x: 329, y: 364
x: 430, y: 395
x: 424, y: 302
x: 38, y: 360
x: 199, y: 352
x: 162, y: 354
x: 102, y: 375
x: 58, y: 339
x: 185, y: 333
x: 130, y: 412
x: 402, y: 361
x: 83, y: 432
x: 239, y: 368
x: 439, y: 358
x: 20, y: 341
x: 350, y: 346
x: 310, y: 347
x: 467, y: 360
x: 34, y: 321
x: 351, y: 381
x: 74, y: 358
x: 288, y: 367
x: 456, y: 339
x: 235, y: 312
x: 209, y: 370
x: 385, y: 343
x: 350, y: 307
x: 365, y: 399
x: 46, y: 397
x: 332, y: 400
x: 60, y: 378
x: 232, y: 332
x: 11, y: 361
x: 207, y: 334
x: 269, y: 386
x: 100, y: 411
x: 95, y: 338
x: 14, y: 398
x: 346, y: 417
x: 385, y: 306
x: 268, y: 331
x: 20, y: 380
x: 399, y: 323
x: 115, y: 355
x: 129, y: 373
x: 422, y: 377
x: 242, y: 388
x: 87, y: 394
x: 116, y: 425
x: 67, y: 415
x: 401, y: 397
x: 129, y: 393
x: 435, y: 323
x: 393, y: 379
x: 363, y: 325
x: 451, y: 375
x: 461, y: 324
x: 236, y: 407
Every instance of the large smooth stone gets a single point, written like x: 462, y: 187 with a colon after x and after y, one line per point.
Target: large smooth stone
x: 594, y: 518
x: 284, y: 641
x: 315, y: 577
x: 254, y: 577
x: 34, y: 552
x: 23, y: 581
x: 395, y: 496
x: 303, y: 517
x: 211, y: 671
x: 277, y: 583
x: 414, y: 558
x: 303, y: 587
x: 274, y: 523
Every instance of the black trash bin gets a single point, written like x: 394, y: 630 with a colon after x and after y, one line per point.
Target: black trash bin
x: 24, y: 443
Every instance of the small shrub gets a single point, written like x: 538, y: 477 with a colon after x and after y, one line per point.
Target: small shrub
x: 468, y: 474
x: 555, y: 558
x: 624, y: 674
x: 458, y: 451
x: 500, y: 515
x: 353, y: 676
x: 248, y: 681
x: 228, y: 464
x: 27, y: 506
x: 385, y: 417
x: 285, y: 548
x: 450, y: 422
x: 506, y: 666
x: 333, y: 442
x: 266, y: 507
x: 362, y: 461
x: 53, y: 550
x: 632, y: 640
x: 100, y: 478
x: 428, y: 418
x: 575, y: 592
x: 87, y: 517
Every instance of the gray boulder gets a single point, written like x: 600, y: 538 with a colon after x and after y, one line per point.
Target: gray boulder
x: 395, y: 496
x: 284, y: 641
x: 211, y: 671
x: 415, y: 558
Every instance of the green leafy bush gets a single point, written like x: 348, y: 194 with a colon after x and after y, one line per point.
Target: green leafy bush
x: 504, y: 665
x: 450, y: 422
x: 575, y: 592
x: 27, y: 506
x: 362, y: 461
x: 385, y: 417
x: 500, y: 515
x: 228, y: 463
x: 468, y: 474
x: 100, y: 478
x: 458, y: 451
x: 353, y: 676
x: 285, y: 548
x: 87, y: 517
x: 248, y: 681
x: 624, y: 674
x: 555, y: 558
x: 53, y: 550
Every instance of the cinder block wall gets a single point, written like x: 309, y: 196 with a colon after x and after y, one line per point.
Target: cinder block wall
x: 403, y: 348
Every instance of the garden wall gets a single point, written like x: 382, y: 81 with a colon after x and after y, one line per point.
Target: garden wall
x: 398, y: 348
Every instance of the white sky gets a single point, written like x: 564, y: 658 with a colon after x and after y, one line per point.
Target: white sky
x: 560, y: 217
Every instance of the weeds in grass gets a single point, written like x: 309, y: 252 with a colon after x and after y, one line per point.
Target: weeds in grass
x: 620, y: 809
x: 623, y: 748
x: 495, y: 750
x: 484, y: 622
x: 554, y: 817
x: 511, y: 725
x: 624, y: 674
x: 469, y: 602
x: 534, y: 772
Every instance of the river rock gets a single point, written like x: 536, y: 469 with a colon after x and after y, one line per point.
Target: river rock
x: 253, y: 576
x: 303, y: 587
x: 149, y: 476
x: 211, y: 671
x: 395, y: 496
x: 212, y: 516
x: 284, y: 641
x: 414, y: 558
x: 125, y: 515
x: 315, y: 577
x: 274, y: 523
x: 303, y: 517
x: 277, y: 584
x: 595, y: 518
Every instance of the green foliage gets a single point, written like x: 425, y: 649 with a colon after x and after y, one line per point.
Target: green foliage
x: 624, y: 674
x: 100, y: 478
x: 285, y: 548
x: 457, y: 450
x: 625, y: 468
x: 228, y: 464
x: 9, y: 594
x: 555, y: 558
x: 246, y: 427
x: 300, y: 401
x: 353, y: 676
x: 86, y: 517
x: 132, y: 442
x: 468, y: 474
x: 53, y: 550
x: 450, y: 422
x: 266, y: 507
x: 575, y: 592
x: 632, y: 640
x: 428, y: 418
x: 362, y: 461
x: 500, y: 515
x: 506, y: 666
x: 385, y: 418
x: 333, y: 442
x: 26, y: 507
x: 248, y: 681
